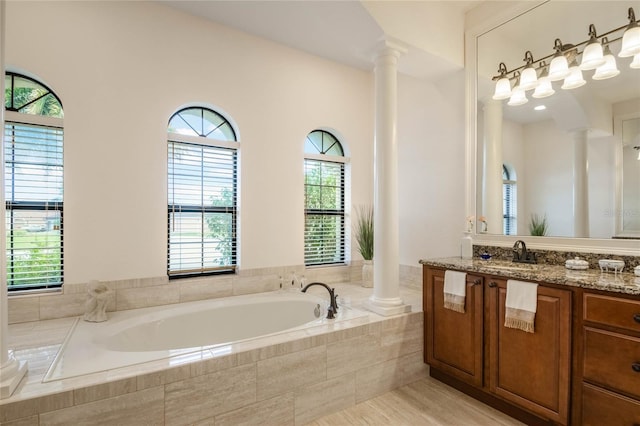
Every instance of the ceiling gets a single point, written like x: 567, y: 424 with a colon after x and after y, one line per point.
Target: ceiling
x: 345, y: 31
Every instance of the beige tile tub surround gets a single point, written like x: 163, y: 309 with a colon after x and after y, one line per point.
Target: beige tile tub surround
x: 290, y: 379
x: 157, y: 291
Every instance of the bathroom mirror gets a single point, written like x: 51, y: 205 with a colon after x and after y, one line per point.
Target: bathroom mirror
x: 558, y: 157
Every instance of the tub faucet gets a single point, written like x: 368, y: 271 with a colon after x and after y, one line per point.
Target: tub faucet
x: 333, y: 306
x: 521, y: 255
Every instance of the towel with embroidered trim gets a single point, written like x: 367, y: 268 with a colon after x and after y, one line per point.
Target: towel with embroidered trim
x: 455, y: 290
x: 521, y: 305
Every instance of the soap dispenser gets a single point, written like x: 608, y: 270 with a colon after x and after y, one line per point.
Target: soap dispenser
x: 466, y: 246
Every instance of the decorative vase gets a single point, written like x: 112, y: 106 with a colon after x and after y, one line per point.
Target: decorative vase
x: 367, y: 273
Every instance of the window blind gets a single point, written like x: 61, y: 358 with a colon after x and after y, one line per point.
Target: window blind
x: 324, y: 234
x: 202, y: 200
x: 34, y: 205
x: 509, y: 207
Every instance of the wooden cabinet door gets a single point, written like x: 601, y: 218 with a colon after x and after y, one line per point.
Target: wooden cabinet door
x: 532, y: 369
x: 454, y: 339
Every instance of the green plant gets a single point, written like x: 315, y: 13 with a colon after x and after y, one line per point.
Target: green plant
x: 363, y: 231
x: 538, y: 226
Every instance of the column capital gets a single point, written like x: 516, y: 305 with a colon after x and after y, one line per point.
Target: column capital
x: 388, y: 46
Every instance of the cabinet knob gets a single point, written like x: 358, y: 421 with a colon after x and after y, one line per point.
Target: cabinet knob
x: 636, y: 318
x: 636, y: 367
x: 493, y: 284
x: 477, y: 281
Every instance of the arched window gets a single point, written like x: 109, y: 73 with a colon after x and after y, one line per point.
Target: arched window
x: 324, y: 194
x: 202, y: 193
x: 33, y: 167
x: 509, y: 200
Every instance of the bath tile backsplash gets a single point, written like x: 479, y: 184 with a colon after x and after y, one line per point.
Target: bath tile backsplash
x: 143, y: 297
x: 155, y: 291
x: 552, y: 257
x: 24, y: 309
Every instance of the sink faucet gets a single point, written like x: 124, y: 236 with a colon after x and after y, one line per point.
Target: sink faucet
x: 520, y: 253
x: 333, y: 306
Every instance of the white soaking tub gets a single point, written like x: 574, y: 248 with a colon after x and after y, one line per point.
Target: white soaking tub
x: 142, y: 335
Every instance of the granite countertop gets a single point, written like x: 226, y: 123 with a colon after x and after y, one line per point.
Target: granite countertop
x: 624, y: 282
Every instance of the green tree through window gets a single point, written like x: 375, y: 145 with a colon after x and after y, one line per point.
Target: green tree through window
x: 33, y: 185
x: 324, y: 236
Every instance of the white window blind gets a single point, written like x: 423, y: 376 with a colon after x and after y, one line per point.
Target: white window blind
x: 34, y: 205
x: 202, y: 196
x: 324, y: 234
x: 509, y: 203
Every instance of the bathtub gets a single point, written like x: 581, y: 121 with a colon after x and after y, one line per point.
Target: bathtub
x: 148, y: 334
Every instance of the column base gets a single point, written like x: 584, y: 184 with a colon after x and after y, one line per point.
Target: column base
x: 11, y: 374
x: 386, y: 307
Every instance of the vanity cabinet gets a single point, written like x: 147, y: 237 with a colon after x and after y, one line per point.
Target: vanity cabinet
x: 454, y: 343
x: 610, y: 360
x: 525, y: 374
x: 532, y: 370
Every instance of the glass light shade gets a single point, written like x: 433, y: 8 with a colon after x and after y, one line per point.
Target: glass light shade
x: 608, y: 69
x: 503, y: 89
x: 544, y: 88
x: 559, y: 68
x: 574, y: 79
x: 592, y: 56
x: 636, y: 62
x: 528, y: 78
x: 518, y: 97
x: 630, y: 41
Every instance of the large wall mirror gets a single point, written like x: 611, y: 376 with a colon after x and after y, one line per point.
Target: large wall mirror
x: 568, y: 160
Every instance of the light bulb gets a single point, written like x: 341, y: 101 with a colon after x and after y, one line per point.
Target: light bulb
x: 574, y: 79
x: 609, y: 68
x: 630, y: 38
x: 559, y: 67
x: 518, y: 97
x: 503, y: 89
x: 592, y: 56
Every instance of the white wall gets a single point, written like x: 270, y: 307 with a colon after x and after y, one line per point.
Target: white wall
x: 122, y: 69
x: 431, y: 142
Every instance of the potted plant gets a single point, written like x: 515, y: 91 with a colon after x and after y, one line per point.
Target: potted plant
x: 538, y: 226
x: 363, y: 232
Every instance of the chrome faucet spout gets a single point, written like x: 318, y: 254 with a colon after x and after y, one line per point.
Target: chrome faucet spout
x: 333, y: 306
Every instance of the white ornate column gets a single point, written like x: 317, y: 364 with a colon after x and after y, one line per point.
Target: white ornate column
x: 492, y: 166
x: 580, y: 184
x: 386, y: 269
x: 11, y: 370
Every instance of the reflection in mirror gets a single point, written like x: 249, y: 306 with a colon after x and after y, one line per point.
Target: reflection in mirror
x: 562, y: 148
x: 630, y: 212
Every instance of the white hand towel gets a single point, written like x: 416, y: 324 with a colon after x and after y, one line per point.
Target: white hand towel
x: 521, y: 305
x: 455, y: 290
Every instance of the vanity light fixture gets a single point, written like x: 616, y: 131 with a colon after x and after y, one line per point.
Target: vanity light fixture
x: 631, y: 37
x: 592, y: 56
x: 544, y: 88
x: 596, y: 55
x: 503, y: 86
x: 529, y: 76
x: 574, y: 79
x: 609, y: 68
x: 517, y: 94
x: 559, y: 67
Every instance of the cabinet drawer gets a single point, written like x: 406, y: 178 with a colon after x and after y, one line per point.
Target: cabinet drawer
x: 612, y: 311
x: 612, y: 360
x: 601, y: 407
